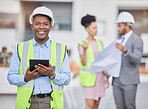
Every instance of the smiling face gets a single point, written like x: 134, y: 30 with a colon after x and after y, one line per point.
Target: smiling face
x: 41, y: 27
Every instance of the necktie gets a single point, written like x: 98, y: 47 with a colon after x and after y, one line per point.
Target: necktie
x: 122, y: 39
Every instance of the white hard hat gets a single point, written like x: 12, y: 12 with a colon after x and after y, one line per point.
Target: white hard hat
x: 125, y: 17
x: 43, y: 11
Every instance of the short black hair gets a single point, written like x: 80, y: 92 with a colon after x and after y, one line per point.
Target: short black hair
x: 87, y: 20
x: 4, y: 48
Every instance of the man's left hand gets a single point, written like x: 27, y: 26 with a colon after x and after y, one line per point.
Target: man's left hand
x: 43, y: 70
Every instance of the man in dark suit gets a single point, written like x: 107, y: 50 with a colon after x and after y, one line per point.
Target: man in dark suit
x: 125, y: 86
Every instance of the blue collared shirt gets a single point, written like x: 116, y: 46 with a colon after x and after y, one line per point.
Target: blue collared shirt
x: 42, y: 84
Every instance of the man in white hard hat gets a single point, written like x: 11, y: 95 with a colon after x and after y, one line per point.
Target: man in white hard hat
x: 131, y: 46
x: 41, y: 88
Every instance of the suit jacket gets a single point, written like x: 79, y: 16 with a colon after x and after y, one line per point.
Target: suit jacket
x: 129, y: 72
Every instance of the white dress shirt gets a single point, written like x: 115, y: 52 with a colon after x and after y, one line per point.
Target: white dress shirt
x: 126, y: 36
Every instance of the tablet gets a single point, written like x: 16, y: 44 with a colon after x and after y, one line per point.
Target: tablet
x: 34, y: 62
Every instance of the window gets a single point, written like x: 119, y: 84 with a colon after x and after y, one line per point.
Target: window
x: 8, y: 20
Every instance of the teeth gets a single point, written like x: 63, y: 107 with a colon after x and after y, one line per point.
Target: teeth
x: 41, y: 32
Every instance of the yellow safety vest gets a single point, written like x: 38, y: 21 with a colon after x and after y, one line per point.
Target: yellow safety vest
x: 88, y: 79
x: 24, y: 92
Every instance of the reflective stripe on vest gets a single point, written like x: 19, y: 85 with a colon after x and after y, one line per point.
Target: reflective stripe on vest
x: 24, y: 63
x: 58, y: 54
x: 85, y: 69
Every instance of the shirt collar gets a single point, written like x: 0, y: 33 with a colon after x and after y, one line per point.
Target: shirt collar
x: 47, y: 43
x: 126, y: 36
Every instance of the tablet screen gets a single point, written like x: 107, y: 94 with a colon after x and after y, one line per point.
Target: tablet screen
x: 34, y: 62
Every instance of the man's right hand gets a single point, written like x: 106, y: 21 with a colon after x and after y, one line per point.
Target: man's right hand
x: 31, y: 74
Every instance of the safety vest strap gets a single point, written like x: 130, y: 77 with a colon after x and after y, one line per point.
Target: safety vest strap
x: 24, y: 63
x: 25, y: 54
x: 100, y: 44
x: 57, y: 87
x: 85, y: 69
x: 58, y: 56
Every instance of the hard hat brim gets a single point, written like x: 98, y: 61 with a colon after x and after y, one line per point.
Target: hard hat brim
x: 32, y: 17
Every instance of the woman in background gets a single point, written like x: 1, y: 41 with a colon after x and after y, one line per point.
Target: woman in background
x: 93, y: 84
